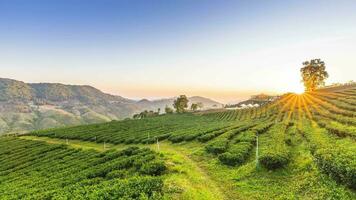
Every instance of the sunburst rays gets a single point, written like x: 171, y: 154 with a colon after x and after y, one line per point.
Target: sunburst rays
x: 295, y: 107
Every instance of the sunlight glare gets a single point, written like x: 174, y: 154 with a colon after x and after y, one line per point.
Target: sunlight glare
x: 298, y: 89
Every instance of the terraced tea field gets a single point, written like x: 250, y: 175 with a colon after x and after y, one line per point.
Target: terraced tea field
x: 297, y: 147
x: 37, y: 170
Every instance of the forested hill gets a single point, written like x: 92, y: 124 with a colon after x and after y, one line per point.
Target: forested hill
x: 52, y: 92
x: 29, y: 106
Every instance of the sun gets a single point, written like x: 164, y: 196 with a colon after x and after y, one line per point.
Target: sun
x: 298, y: 89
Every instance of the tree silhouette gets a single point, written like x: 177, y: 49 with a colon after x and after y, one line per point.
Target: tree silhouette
x: 313, y: 74
x: 194, y: 106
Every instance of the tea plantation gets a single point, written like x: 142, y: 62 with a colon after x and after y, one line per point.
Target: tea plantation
x: 297, y: 147
x: 37, y: 170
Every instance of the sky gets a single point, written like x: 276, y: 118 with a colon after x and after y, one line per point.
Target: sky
x: 225, y: 50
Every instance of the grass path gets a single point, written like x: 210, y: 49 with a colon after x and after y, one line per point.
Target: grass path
x: 186, y: 178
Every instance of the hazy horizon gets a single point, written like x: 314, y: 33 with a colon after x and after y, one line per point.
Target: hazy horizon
x: 151, y: 98
x: 159, y: 49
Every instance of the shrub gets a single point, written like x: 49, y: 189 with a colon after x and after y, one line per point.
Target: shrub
x: 237, y: 154
x: 130, y: 151
x: 247, y: 136
x: 274, y: 152
x: 206, y: 137
x: 274, y: 160
x: 153, y: 168
x: 190, y: 137
x: 217, y: 147
x: 129, y: 141
x: 176, y: 138
x: 213, y: 134
x: 117, y: 174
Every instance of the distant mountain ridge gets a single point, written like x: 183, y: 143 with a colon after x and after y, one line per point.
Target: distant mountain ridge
x: 29, y: 106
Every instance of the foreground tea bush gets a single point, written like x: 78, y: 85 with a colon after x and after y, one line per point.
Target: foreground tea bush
x: 337, y: 128
x: 334, y: 157
x: 218, y: 146
x: 37, y: 170
x: 237, y: 154
x: 274, y: 152
x: 242, y: 145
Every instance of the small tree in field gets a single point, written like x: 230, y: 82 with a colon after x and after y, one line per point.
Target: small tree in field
x: 313, y: 74
x: 168, y: 110
x: 181, y: 103
x: 194, y: 107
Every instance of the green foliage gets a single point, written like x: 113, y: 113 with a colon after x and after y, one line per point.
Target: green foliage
x: 217, y: 146
x: 335, y: 157
x: 37, y: 170
x: 181, y: 103
x: 168, y: 110
x: 178, y: 128
x: 212, y: 134
x: 194, y: 106
x: 240, y: 147
x: 237, y: 153
x: 154, y: 168
x: 313, y: 74
x: 274, y: 152
x: 337, y: 128
x: 145, y: 114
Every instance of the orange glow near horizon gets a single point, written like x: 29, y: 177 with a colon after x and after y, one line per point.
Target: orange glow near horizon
x: 157, y: 92
x: 222, y: 90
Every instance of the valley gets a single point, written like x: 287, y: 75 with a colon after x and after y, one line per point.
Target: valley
x: 33, y: 106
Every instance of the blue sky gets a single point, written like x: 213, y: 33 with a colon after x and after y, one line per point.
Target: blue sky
x: 225, y: 50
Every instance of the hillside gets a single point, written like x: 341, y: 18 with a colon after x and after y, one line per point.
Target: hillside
x: 35, y: 106
x: 298, y: 147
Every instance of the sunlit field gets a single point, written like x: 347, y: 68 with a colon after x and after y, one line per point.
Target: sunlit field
x: 299, y: 146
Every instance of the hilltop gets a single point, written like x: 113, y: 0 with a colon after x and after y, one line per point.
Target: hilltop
x: 30, y: 106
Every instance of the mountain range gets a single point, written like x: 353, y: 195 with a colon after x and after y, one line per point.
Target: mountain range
x: 31, y: 106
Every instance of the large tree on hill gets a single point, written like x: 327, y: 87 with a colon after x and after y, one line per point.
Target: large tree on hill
x: 313, y: 74
x: 181, y: 103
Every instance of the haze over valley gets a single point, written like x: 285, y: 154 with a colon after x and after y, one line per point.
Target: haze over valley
x: 33, y: 106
